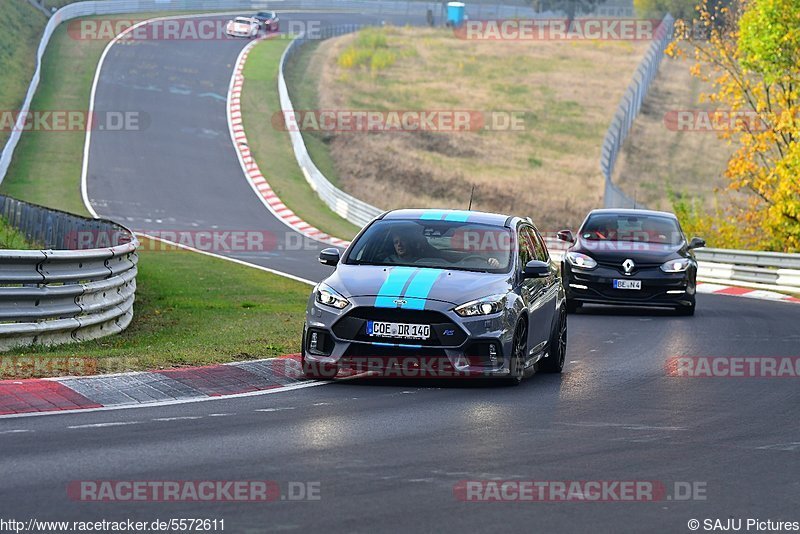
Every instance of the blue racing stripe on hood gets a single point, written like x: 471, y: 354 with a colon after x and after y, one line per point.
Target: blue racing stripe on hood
x: 458, y: 216
x: 420, y: 286
x: 393, y: 286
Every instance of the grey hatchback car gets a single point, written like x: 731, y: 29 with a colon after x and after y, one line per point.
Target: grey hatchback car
x: 438, y: 293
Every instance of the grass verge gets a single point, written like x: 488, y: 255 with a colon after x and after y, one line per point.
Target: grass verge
x: 271, y: 146
x: 22, y: 26
x: 190, y: 308
x: 560, y: 95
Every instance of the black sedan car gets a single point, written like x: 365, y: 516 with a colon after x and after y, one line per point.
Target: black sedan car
x: 630, y: 257
x: 269, y: 19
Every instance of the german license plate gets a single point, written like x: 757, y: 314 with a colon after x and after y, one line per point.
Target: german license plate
x: 627, y: 284
x: 401, y: 330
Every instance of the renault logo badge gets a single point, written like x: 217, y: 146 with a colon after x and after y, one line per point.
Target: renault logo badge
x: 400, y: 302
x: 628, y: 265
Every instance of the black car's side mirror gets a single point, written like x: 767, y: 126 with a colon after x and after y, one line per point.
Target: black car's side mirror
x: 696, y: 242
x: 566, y: 235
x: 536, y: 269
x: 329, y: 256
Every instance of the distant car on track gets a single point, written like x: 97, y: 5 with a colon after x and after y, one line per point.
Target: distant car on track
x: 475, y: 292
x: 630, y: 257
x: 269, y: 19
x: 243, y: 27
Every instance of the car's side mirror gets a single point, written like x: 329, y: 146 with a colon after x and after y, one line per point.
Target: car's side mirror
x: 566, y: 235
x: 536, y: 269
x: 329, y: 256
x: 696, y: 242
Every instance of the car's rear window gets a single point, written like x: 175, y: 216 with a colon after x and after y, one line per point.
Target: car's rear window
x: 436, y: 244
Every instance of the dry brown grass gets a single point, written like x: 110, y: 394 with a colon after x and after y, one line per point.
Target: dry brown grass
x: 549, y: 170
x: 656, y: 160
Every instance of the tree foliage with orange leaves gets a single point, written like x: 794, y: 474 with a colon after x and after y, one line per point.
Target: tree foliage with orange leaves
x: 750, y: 54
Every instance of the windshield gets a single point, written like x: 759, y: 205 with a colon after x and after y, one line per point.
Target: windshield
x: 637, y: 228
x: 242, y: 21
x: 436, y: 244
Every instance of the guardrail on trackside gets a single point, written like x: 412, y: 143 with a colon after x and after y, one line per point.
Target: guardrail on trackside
x: 345, y: 205
x: 61, y: 293
x: 627, y: 111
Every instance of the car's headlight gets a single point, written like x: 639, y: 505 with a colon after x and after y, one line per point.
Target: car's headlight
x: 484, y: 306
x: 582, y: 261
x: 676, y: 266
x: 329, y: 297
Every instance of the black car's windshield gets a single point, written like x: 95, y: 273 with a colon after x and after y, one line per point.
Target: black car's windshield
x: 266, y: 15
x: 637, y: 228
x: 436, y: 244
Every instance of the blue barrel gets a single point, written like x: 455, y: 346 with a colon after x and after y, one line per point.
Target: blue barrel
x: 455, y: 14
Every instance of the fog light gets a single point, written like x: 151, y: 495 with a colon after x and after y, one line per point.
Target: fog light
x: 676, y: 291
x: 492, y: 354
x: 313, y: 344
x: 578, y: 286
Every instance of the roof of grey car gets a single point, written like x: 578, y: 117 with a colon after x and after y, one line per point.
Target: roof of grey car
x: 480, y: 217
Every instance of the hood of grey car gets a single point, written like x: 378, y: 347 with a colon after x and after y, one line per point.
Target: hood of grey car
x: 456, y: 287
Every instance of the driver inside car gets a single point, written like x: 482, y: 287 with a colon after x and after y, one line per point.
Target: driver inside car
x: 408, y: 247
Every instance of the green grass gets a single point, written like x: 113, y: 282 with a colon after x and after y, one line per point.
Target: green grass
x: 11, y: 238
x: 271, y: 146
x: 190, y: 308
x: 22, y: 26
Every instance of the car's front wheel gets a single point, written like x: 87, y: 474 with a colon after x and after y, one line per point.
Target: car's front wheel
x: 519, y: 348
x: 557, y: 353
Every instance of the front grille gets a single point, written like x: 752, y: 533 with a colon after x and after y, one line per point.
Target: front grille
x: 444, y: 332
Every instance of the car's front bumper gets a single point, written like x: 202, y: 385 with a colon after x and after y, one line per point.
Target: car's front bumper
x: 458, y: 347
x: 658, y: 288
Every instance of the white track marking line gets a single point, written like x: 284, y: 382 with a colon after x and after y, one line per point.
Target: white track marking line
x: 104, y: 425
x: 157, y: 404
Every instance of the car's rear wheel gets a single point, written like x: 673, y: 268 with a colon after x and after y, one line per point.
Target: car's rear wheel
x: 557, y: 353
x: 516, y: 365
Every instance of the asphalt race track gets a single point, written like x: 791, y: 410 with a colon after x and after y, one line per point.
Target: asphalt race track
x: 388, y: 454
x: 180, y: 171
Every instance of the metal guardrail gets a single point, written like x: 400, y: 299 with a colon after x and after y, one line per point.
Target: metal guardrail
x: 345, y: 205
x: 773, y: 270
x: 627, y: 111
x: 62, y: 293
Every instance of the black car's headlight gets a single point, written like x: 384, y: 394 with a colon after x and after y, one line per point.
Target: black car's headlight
x: 484, y: 306
x: 582, y: 261
x: 676, y: 266
x: 327, y: 296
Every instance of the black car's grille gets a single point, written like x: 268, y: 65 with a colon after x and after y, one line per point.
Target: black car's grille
x: 444, y: 333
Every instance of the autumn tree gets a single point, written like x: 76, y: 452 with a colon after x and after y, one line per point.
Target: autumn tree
x: 750, y: 54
